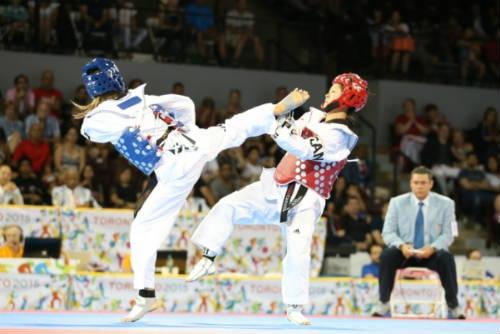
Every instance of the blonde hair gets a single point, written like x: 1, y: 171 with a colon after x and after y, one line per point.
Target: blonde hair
x: 83, y: 110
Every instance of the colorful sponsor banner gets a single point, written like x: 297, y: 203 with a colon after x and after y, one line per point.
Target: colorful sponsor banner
x: 36, y: 221
x: 258, y: 250
x: 37, y: 266
x: 104, y: 236
x: 225, y: 293
x: 33, y: 292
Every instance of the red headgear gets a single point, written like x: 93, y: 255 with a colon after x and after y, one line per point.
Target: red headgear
x: 354, y: 91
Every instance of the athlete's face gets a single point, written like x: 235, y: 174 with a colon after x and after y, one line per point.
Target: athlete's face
x: 333, y: 94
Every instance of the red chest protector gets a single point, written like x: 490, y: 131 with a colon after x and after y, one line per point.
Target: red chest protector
x: 316, y: 175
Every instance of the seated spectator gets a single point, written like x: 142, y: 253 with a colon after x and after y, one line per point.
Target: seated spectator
x: 493, y: 174
x: 353, y: 190
x: 379, y: 45
x: 50, y: 123
x: 16, y: 18
x: 165, y: 32
x: 178, y: 88
x: 71, y: 194
x: 49, y: 178
x: 12, y: 127
x: 371, y: 270
x: 68, y: 154
x: 493, y: 223
x: 98, y: 33
x: 4, y: 148
x: 124, y: 194
x: 49, y: 94
x: 201, y: 21
x: 234, y: 157
x: 433, y: 118
x: 89, y: 181
x: 470, y: 56
x: 353, y: 225
x: 377, y: 224
x: 81, y: 96
x: 22, y: 96
x: 129, y: 33
x: 9, y: 193
x: 232, y: 107
x: 473, y: 184
x: 360, y: 172
x: 487, y: 135
x: 35, y: 148
x: 240, y: 30
x: 98, y: 156
x: 402, y: 43
x: 491, y: 54
x: 48, y: 12
x: 473, y: 268
x: 411, y: 129
x: 34, y: 192
x: 203, y: 191
x: 417, y: 231
x: 252, y: 170
x: 205, y: 114
x: 225, y: 183
x: 13, y: 242
x: 436, y: 154
x: 460, y: 149
x: 338, y: 196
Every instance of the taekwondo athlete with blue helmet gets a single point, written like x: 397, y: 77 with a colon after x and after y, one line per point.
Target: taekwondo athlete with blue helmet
x: 158, y: 135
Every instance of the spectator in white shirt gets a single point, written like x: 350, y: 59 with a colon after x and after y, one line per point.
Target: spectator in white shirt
x: 71, y: 195
x: 9, y: 193
x: 130, y: 34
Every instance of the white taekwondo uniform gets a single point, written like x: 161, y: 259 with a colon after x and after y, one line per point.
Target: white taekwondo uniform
x: 317, y: 152
x: 177, y: 161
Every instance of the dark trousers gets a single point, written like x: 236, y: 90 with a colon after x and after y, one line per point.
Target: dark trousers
x: 441, y: 262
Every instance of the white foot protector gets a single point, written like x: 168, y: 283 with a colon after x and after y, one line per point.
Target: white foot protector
x: 141, y: 307
x: 203, y: 268
x: 294, y: 315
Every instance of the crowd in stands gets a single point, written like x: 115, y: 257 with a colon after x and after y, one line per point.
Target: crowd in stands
x: 447, y: 41
x: 465, y: 162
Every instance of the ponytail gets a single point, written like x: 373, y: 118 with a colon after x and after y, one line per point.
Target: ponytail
x: 83, y: 110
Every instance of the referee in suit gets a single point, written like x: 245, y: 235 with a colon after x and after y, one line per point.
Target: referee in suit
x: 417, y: 231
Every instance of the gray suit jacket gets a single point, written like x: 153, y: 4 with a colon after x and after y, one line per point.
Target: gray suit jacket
x: 399, y: 225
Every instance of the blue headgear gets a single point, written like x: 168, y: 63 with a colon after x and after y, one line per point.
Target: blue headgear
x: 101, y: 76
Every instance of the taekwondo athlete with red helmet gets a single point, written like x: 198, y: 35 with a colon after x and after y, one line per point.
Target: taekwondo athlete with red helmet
x: 158, y: 135
x: 294, y: 193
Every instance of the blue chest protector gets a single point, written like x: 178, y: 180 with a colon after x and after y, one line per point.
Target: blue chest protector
x: 138, y: 151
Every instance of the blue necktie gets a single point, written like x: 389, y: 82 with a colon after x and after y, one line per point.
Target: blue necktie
x: 418, y: 241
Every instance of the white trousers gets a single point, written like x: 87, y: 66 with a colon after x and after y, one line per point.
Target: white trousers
x: 156, y: 217
x: 442, y: 173
x: 260, y: 203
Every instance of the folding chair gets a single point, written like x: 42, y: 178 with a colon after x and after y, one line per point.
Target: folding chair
x: 417, y: 293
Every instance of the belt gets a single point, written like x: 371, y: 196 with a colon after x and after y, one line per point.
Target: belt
x: 288, y: 202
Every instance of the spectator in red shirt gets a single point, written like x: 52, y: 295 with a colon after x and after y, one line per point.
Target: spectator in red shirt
x: 412, y: 130
x: 48, y: 93
x: 34, y: 148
